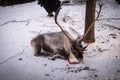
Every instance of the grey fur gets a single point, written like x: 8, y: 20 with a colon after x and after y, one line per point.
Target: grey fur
x: 54, y: 44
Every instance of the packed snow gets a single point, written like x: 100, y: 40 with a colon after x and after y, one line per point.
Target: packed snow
x: 19, y: 24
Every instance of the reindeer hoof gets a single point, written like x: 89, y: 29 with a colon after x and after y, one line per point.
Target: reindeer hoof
x: 51, y: 58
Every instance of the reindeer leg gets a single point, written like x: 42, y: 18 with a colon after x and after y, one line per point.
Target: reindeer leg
x: 53, y: 57
x: 37, y: 50
x: 59, y: 53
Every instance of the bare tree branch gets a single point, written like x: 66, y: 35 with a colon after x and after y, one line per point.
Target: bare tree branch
x: 98, y: 12
x: 16, y: 55
x: 109, y: 19
x: 15, y: 21
x: 111, y: 26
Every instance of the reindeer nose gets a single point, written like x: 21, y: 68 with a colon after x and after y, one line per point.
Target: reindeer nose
x: 72, y: 59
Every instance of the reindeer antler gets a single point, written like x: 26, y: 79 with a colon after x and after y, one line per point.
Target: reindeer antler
x: 81, y: 49
x: 56, y: 14
x: 100, y: 8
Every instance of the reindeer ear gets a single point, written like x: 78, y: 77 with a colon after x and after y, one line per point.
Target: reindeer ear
x: 78, y: 38
x: 80, y: 42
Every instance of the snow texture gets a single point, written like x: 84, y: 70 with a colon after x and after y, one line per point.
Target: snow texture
x: 19, y: 24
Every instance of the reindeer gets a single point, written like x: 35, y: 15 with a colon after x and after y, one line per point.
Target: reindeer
x: 60, y: 44
x: 56, y: 44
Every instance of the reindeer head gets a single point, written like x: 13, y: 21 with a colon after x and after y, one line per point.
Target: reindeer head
x: 78, y: 49
x: 76, y: 46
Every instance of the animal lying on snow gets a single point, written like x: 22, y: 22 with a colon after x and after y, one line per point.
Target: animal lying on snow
x: 57, y: 45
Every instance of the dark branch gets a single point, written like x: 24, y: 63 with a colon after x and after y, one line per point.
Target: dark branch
x: 109, y: 19
x: 111, y: 26
x: 18, y: 54
x: 100, y: 6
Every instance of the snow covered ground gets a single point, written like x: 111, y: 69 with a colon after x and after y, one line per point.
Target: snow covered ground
x: 19, y: 24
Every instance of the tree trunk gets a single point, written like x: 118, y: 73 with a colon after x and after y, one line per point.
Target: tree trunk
x: 89, y: 18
